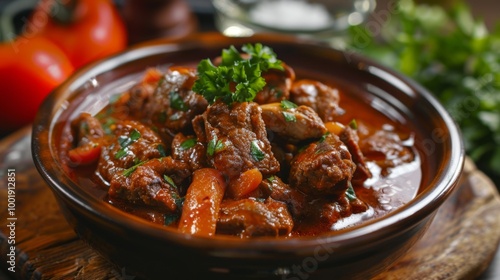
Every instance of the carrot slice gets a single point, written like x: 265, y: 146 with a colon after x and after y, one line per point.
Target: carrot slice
x: 202, y: 203
x: 152, y: 75
x: 245, y: 184
x: 334, y: 127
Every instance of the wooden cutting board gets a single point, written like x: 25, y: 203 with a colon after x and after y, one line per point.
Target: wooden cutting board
x: 460, y: 243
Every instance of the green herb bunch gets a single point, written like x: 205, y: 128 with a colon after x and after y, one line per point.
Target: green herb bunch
x: 237, y: 78
x: 455, y: 57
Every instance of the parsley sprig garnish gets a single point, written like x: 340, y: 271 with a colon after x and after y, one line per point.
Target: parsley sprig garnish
x: 237, y: 78
x: 126, y: 141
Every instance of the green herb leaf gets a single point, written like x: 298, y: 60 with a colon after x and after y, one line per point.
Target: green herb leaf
x: 262, y: 55
x: 323, y: 138
x: 256, y: 152
x: 189, y: 143
x: 351, y: 195
x: 170, y: 218
x: 214, y: 146
x: 286, y: 104
x: 129, y: 171
x: 169, y: 181
x: 353, y: 124
x: 161, y: 150
x: 121, y: 153
x: 125, y: 141
x: 176, y: 102
x: 236, y: 79
x: 289, y: 117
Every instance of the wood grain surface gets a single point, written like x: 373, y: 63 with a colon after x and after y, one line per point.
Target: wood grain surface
x: 459, y: 244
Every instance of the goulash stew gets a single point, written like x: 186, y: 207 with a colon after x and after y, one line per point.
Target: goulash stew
x: 241, y: 146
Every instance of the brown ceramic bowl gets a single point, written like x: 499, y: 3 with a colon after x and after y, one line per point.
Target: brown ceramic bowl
x: 152, y: 251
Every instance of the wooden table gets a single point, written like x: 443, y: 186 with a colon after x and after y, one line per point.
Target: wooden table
x: 460, y: 243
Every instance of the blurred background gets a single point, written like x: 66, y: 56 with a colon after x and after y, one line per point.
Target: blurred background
x: 452, y: 47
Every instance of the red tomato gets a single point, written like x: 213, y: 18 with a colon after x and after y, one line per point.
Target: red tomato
x: 30, y: 68
x: 93, y: 30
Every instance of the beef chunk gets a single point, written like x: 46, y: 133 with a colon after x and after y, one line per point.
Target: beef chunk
x: 331, y: 212
x: 250, y: 218
x: 294, y: 124
x: 275, y: 188
x: 236, y: 139
x: 324, y: 167
x: 139, y: 95
x: 278, y: 84
x: 132, y: 143
x: 86, y: 129
x: 351, y: 140
x: 145, y: 184
x: 387, y: 150
x: 173, y: 104
x: 322, y: 98
x: 187, y: 149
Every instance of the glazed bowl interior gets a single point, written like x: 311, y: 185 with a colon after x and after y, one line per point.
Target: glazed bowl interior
x: 151, y: 250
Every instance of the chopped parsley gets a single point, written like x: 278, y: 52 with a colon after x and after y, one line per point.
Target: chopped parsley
x: 256, y: 152
x: 351, y: 195
x: 214, y: 146
x: 176, y: 102
x: 353, y: 124
x: 236, y: 79
x: 126, y: 141
x: 170, y: 218
x: 187, y: 144
x: 169, y: 180
x: 161, y: 150
x: 286, y: 104
x: 323, y: 138
x: 127, y: 172
x: 289, y: 117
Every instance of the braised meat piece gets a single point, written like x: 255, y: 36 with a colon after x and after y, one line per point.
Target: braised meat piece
x: 325, y: 213
x: 187, y: 149
x: 387, y: 149
x: 320, y: 97
x: 275, y: 188
x: 342, y: 207
x: 153, y: 183
x: 294, y: 124
x: 250, y: 218
x: 236, y: 139
x: 324, y: 167
x: 350, y: 138
x: 132, y: 143
x: 86, y: 129
x: 89, y: 136
x: 278, y: 84
x: 173, y: 104
x: 138, y: 96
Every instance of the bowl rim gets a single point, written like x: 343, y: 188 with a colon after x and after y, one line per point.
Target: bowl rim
x: 424, y: 204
